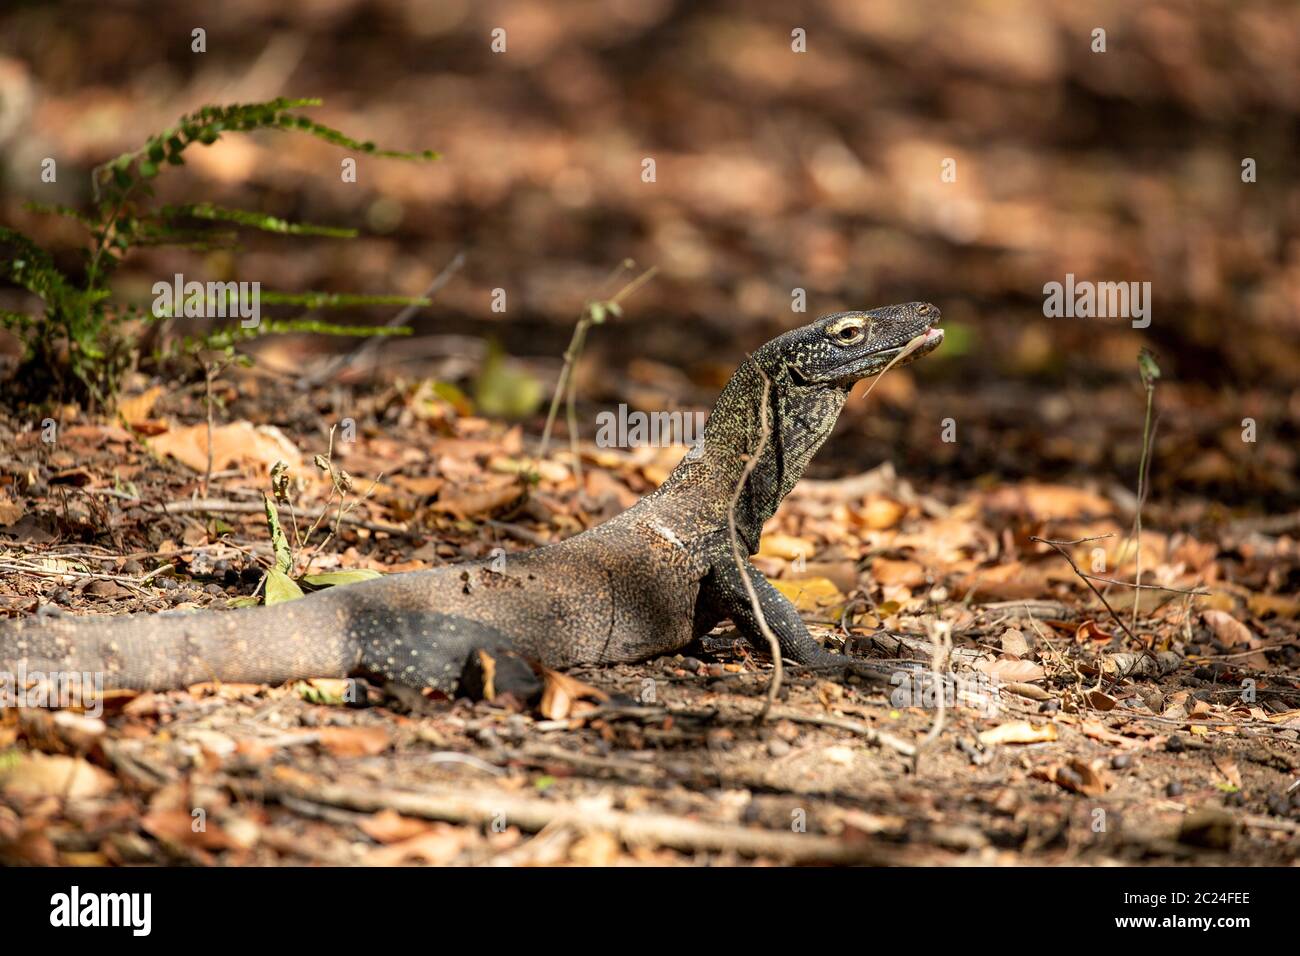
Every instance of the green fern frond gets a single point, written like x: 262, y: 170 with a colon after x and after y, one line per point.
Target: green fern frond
x: 255, y: 220
x: 236, y: 335
x: 337, y: 300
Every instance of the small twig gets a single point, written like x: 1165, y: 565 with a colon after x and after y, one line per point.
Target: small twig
x: 208, y: 370
x: 593, y: 313
x: 742, y: 566
x: 218, y: 506
x: 534, y: 814
x: 941, y: 637
x: 1065, y: 554
x: 1146, y: 587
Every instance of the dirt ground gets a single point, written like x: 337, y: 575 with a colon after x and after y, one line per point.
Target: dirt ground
x: 1045, y: 754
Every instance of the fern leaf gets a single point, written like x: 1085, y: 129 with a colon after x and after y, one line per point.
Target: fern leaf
x: 254, y: 220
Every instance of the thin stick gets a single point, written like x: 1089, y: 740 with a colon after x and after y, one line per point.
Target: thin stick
x: 208, y: 371
x: 1142, y: 494
x: 941, y: 636
x: 566, y: 385
x: 1065, y: 554
x: 533, y: 814
x: 742, y: 566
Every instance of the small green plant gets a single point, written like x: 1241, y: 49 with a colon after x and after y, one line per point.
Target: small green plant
x: 85, y: 339
x: 279, y: 581
x: 594, y: 312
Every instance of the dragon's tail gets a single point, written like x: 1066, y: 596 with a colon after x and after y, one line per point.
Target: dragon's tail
x: 304, y: 638
x: 389, y: 628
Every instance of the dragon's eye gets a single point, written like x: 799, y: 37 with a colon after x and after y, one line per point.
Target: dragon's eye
x: 849, y: 333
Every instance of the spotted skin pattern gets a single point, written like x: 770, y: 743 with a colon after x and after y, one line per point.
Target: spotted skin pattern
x: 644, y: 583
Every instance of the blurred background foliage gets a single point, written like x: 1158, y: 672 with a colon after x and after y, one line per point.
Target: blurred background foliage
x: 775, y: 170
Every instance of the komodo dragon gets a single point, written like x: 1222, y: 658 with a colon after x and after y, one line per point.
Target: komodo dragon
x: 644, y: 583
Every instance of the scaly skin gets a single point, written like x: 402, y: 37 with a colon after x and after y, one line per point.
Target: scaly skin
x: 647, y: 582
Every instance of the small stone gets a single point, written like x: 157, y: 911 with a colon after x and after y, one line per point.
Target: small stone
x: 776, y: 747
x: 1121, y: 761
x: 1175, y: 744
x: 1173, y: 789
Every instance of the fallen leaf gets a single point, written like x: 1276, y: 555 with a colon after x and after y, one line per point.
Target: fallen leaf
x: 813, y: 595
x: 235, y: 445
x: 596, y: 848
x: 1232, y: 633
x: 907, y: 573
x: 353, y: 741
x: 1089, y: 779
x: 183, y: 828
x: 389, y: 826
x: 10, y: 512
x: 560, y: 692
x: 440, y: 845
x: 785, y: 546
x: 136, y: 409
x: 1019, y: 732
x: 38, y: 774
x: 487, y: 498
x: 1098, y: 731
x: 1022, y: 672
x: 1100, y: 701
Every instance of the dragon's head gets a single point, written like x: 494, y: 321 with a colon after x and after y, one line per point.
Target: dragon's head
x: 838, y: 350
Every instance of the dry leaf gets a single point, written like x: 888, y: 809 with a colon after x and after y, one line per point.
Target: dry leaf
x: 353, y: 741
x: 785, y: 546
x: 10, y: 511
x: 1100, y: 701
x: 136, y: 409
x: 907, y: 573
x: 486, y: 498
x: 560, y: 692
x: 1232, y: 633
x: 1098, y: 731
x: 880, y: 514
x: 1019, y: 732
x: 438, y: 846
x: 1020, y: 672
x: 238, y: 444
x: 1089, y: 779
x: 597, y: 848
x: 389, y: 826
x: 38, y: 774
x: 813, y: 595
x: 182, y: 828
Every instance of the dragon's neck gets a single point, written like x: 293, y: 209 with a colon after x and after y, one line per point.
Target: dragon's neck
x: 798, y: 421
